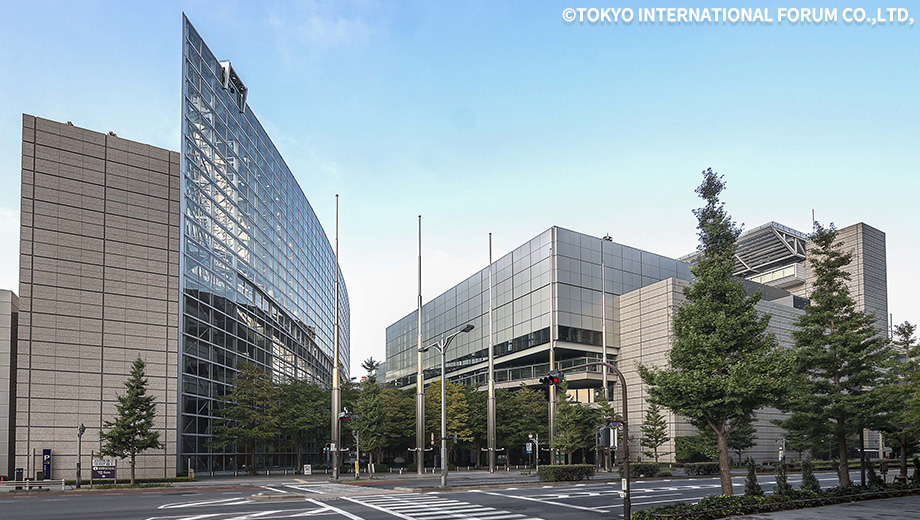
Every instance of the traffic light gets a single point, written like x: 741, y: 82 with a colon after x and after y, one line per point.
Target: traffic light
x: 552, y: 379
x: 347, y: 417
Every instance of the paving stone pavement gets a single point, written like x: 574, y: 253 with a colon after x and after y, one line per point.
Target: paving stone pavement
x: 901, y: 508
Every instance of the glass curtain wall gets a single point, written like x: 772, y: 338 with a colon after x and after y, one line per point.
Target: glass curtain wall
x: 258, y: 269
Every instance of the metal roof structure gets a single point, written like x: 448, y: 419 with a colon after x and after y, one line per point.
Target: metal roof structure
x: 765, y: 248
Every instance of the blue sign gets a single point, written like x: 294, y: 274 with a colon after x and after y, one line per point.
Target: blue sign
x: 104, y: 469
x: 529, y: 447
x: 46, y: 464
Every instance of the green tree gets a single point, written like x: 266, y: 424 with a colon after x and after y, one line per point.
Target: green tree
x: 399, y: 411
x: 782, y: 485
x: 654, y: 432
x: 303, y: 414
x: 458, y: 412
x: 370, y: 365
x: 809, y: 481
x: 903, y: 401
x: 132, y: 430
x: 840, y: 356
x: 751, y: 486
x: 696, y: 448
x: 574, y: 426
x: 478, y: 425
x: 371, y: 422
x: 248, y: 414
x: 723, y: 364
x: 604, y: 412
x: 742, y: 437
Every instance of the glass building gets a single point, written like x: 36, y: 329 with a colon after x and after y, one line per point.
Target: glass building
x: 258, y: 272
x: 551, y: 285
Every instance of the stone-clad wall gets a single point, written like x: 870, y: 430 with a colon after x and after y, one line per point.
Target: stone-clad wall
x: 99, y: 283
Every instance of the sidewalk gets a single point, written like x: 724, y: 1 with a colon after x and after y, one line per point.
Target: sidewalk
x: 907, y: 508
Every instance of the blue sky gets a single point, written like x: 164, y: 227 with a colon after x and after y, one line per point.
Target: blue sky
x: 500, y: 117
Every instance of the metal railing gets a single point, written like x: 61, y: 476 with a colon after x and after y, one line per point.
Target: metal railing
x: 31, y: 485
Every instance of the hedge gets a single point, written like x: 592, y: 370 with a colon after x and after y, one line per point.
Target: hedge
x: 721, y: 506
x: 701, y: 468
x: 557, y: 473
x: 641, y: 469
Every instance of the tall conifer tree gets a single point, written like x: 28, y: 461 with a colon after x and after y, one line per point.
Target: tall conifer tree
x: 840, y: 355
x: 723, y: 364
x: 132, y: 430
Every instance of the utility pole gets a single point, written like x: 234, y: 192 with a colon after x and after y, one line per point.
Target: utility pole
x: 490, y: 413
x: 336, y: 389
x: 419, y: 375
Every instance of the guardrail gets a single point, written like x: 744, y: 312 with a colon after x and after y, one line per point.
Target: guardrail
x: 31, y: 485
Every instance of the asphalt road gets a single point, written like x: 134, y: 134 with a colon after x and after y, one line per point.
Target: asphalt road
x: 348, y: 502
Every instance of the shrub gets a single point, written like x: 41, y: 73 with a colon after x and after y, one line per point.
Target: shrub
x: 782, y: 486
x: 751, y: 486
x: 557, y: 473
x: 809, y: 481
x: 641, y: 469
x: 665, y: 474
x: 915, y: 478
x: 872, y: 479
x: 702, y: 468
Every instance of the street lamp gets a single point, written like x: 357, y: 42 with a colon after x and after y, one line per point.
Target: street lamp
x: 441, y: 346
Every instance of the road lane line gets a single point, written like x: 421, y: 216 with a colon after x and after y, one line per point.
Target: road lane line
x: 273, y: 489
x: 572, y: 506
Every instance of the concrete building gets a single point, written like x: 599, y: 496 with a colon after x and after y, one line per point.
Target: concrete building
x: 547, y: 298
x: 9, y: 318
x: 195, y: 262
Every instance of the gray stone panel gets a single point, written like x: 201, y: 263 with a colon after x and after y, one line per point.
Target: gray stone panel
x: 96, y: 264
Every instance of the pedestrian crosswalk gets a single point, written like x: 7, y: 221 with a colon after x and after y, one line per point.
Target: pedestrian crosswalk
x: 433, y: 507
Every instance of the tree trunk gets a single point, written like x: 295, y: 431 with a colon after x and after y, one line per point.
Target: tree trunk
x: 902, y: 440
x: 725, y: 474
x: 370, y: 464
x: 133, y: 458
x: 843, y: 470
x: 299, y: 466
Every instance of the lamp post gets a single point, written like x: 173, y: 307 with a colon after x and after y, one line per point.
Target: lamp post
x: 441, y: 346
x: 80, y: 431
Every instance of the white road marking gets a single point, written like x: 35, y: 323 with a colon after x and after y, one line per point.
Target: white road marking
x: 250, y: 516
x: 273, y: 489
x: 218, y: 502
x: 378, y: 508
x: 336, y: 509
x: 572, y: 506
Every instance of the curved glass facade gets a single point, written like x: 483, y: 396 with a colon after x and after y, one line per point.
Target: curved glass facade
x: 258, y: 273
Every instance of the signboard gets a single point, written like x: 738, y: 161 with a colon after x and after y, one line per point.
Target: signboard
x: 46, y: 464
x: 529, y: 447
x: 104, y: 468
x: 307, y: 469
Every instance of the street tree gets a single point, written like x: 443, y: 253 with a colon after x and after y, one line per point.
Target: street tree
x: 132, y: 430
x: 371, y: 422
x: 903, y: 395
x: 723, y: 364
x: 840, y: 355
x: 574, y: 426
x: 458, y: 412
x: 654, y: 432
x: 742, y: 437
x: 247, y: 415
x: 303, y: 414
x: 399, y: 411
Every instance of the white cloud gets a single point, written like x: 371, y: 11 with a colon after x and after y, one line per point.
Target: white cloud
x: 307, y: 28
